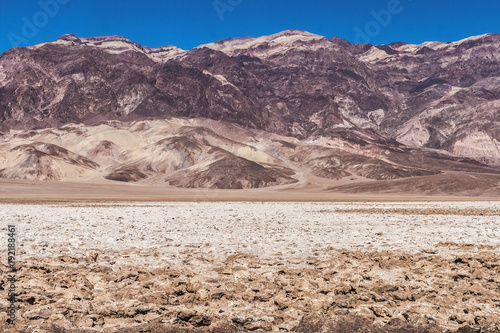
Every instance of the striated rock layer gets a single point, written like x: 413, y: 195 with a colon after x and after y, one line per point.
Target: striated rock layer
x: 437, y: 95
x: 203, y: 153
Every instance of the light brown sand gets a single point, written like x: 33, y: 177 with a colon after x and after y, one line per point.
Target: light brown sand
x: 18, y: 191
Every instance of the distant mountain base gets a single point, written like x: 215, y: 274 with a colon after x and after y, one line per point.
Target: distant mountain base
x: 207, y: 154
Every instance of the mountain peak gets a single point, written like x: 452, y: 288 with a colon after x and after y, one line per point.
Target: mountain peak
x: 480, y: 37
x: 294, y: 32
x: 340, y: 41
x: 265, y: 46
x: 69, y: 38
x: 113, y: 38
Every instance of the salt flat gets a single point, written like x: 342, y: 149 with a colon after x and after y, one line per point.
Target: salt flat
x: 247, y: 266
x: 268, y: 230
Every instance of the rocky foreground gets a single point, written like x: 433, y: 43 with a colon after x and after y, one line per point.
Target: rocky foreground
x: 239, y: 267
x: 352, y: 291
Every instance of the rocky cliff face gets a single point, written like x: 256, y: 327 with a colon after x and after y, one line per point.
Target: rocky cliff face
x: 443, y: 96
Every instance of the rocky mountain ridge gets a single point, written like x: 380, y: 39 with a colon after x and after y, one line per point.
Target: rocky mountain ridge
x: 440, y: 97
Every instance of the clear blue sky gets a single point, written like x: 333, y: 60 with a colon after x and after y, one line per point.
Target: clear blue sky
x: 188, y: 23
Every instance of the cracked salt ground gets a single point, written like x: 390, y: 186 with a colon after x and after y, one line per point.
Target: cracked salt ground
x: 386, y: 291
x: 240, y: 266
x: 291, y: 230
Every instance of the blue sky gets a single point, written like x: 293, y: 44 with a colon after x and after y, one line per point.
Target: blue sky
x: 188, y: 23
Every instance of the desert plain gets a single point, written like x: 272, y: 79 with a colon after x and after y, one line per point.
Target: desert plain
x: 209, y: 264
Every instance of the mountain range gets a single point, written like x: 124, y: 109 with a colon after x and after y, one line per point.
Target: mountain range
x: 288, y: 110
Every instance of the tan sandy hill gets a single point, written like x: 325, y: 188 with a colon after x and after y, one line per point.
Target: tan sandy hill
x: 203, y: 153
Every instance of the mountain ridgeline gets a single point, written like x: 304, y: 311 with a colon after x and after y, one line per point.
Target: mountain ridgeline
x: 439, y: 99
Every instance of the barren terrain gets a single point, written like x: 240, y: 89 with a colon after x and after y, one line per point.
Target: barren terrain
x: 246, y: 266
x: 287, y: 182
x: 206, y: 154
